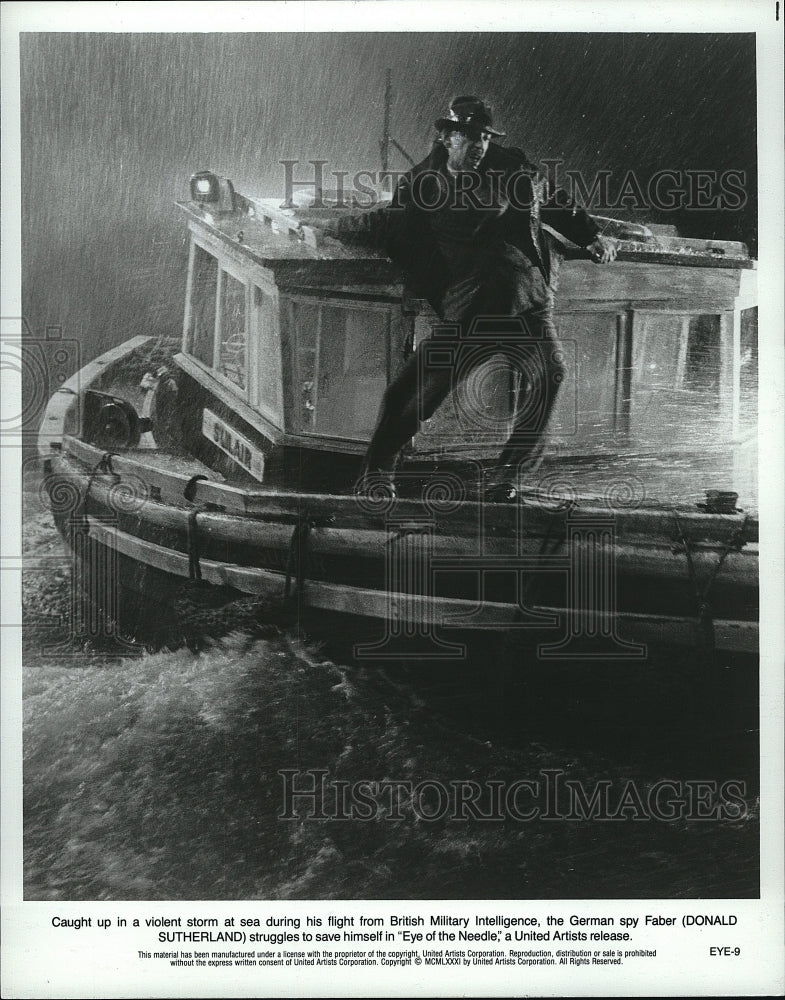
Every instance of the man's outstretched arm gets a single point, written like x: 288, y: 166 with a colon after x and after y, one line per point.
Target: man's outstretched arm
x: 378, y: 228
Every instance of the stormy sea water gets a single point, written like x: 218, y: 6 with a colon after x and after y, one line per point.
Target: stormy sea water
x: 157, y: 775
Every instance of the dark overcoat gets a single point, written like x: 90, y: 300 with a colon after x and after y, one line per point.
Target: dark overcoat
x: 403, y: 229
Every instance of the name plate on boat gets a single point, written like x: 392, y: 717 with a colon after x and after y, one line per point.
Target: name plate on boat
x: 237, y: 447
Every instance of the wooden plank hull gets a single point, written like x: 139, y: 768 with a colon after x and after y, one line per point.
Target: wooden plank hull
x: 444, y: 617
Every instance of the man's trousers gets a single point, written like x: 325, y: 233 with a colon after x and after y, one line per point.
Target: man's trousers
x: 502, y: 306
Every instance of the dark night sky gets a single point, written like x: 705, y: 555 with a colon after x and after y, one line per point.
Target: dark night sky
x: 114, y: 124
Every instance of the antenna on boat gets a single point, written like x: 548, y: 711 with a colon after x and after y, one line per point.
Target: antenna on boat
x: 385, y: 143
x: 387, y: 139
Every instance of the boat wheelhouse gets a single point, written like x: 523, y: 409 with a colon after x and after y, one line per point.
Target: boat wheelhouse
x: 231, y: 456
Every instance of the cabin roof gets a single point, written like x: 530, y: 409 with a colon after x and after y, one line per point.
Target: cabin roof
x: 277, y: 239
x: 281, y: 240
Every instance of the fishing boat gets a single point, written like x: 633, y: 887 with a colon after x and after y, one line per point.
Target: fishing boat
x: 228, y: 459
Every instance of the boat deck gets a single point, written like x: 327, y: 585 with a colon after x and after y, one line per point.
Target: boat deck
x: 623, y: 480
x: 618, y: 481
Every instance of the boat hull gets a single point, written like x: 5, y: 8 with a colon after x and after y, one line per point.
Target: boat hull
x: 585, y: 577
x: 586, y: 582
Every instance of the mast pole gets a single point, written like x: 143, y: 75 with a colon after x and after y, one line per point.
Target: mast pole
x: 385, y: 143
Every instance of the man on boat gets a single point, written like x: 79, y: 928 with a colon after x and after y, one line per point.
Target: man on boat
x: 466, y: 225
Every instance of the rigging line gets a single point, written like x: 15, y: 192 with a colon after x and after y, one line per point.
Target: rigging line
x: 194, y: 566
x: 549, y: 546
x: 298, y: 554
x: 701, y: 594
x: 103, y: 465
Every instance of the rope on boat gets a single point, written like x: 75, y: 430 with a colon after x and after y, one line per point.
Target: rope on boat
x: 194, y: 568
x: 701, y: 594
x: 104, y: 466
x: 299, y: 548
x: 549, y: 546
x: 404, y: 532
x: 189, y: 487
x: 298, y: 544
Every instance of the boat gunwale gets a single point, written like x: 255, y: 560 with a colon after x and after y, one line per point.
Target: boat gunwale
x: 350, y: 509
x: 644, y: 554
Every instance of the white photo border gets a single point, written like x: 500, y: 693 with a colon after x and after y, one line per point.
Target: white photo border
x: 38, y: 963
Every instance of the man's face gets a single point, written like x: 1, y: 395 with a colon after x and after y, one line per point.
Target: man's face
x: 465, y: 150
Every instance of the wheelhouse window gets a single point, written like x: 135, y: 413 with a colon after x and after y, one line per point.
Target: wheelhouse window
x: 269, y: 391
x: 217, y: 319
x: 748, y: 363
x: 676, y: 379
x: 200, y: 333
x: 340, y: 364
x: 639, y: 378
x: 702, y: 355
x: 232, y: 360
x: 586, y: 410
x: 677, y: 353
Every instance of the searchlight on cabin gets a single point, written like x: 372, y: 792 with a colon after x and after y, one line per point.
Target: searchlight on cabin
x: 208, y: 188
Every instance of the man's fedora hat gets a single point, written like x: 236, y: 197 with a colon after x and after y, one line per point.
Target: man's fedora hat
x: 468, y: 113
